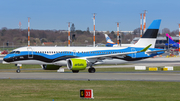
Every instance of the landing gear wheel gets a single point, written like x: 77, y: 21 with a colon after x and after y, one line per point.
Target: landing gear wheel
x: 75, y: 71
x: 92, y: 70
x: 18, y: 71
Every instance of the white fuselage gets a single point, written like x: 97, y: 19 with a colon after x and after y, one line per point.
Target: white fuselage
x: 53, y: 52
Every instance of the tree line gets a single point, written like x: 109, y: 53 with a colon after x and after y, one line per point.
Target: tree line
x: 19, y: 37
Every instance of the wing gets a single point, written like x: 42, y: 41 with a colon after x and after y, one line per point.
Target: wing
x: 150, y: 52
x: 109, y: 56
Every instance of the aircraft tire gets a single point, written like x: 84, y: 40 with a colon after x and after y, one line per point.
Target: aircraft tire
x: 18, y: 71
x: 92, y: 70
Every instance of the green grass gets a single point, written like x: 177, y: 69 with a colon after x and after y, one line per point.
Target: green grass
x: 63, y: 90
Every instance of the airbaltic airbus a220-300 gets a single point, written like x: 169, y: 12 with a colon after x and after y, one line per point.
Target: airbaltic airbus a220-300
x: 78, y: 58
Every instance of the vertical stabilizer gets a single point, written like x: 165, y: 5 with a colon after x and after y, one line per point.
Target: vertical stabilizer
x: 169, y: 39
x: 171, y: 42
x: 108, y: 39
x: 149, y: 37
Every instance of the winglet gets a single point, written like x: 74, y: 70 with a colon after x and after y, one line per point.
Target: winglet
x: 146, y: 48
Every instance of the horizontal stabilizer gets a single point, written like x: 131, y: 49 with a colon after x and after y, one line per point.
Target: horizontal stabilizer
x: 146, y: 48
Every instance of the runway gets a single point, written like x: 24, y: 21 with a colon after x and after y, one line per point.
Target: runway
x: 151, y: 76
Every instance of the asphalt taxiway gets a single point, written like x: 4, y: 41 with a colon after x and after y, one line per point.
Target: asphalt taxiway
x: 153, y: 76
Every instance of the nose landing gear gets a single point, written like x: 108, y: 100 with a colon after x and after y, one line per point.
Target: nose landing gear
x: 19, y: 66
x: 18, y: 71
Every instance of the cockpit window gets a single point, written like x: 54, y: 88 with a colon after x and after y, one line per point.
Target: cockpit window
x: 17, y: 52
x: 12, y: 52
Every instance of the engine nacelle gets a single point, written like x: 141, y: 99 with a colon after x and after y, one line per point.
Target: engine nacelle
x: 76, y: 64
x: 50, y: 67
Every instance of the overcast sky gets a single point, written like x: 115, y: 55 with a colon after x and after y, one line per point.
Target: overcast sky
x: 54, y: 14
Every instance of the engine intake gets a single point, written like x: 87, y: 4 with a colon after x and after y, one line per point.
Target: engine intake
x: 76, y: 64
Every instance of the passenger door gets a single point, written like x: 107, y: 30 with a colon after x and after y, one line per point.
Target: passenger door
x: 30, y: 52
x: 74, y: 52
x: 134, y: 54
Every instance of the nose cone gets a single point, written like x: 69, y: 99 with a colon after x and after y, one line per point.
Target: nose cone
x: 8, y: 58
x: 5, y: 59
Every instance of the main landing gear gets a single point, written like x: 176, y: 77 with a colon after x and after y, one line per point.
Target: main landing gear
x: 19, y: 66
x: 91, y: 69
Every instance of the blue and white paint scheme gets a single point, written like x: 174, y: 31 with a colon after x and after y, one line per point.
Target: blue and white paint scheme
x: 110, y: 43
x: 61, y: 56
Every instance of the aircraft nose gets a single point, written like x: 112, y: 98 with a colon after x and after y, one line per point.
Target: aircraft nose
x: 7, y: 59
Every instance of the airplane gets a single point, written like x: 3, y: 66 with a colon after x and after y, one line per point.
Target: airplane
x: 110, y: 43
x: 171, y: 42
x: 79, y: 58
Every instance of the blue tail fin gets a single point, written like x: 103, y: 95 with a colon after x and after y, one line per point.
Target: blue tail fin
x: 149, y: 37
